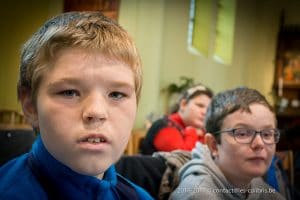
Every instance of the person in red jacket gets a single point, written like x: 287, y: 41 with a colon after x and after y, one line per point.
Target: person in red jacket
x: 184, y: 127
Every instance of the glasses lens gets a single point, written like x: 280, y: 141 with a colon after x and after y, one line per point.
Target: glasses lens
x: 243, y: 135
x: 270, y: 136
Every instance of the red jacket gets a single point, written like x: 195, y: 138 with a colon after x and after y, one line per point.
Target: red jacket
x: 171, y: 138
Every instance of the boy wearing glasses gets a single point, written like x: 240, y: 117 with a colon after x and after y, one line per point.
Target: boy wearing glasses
x: 241, y: 140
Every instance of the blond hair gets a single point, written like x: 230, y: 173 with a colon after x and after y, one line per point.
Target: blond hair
x: 87, y: 30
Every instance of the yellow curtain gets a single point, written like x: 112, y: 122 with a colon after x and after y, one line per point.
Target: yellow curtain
x: 202, y: 23
x: 225, y: 31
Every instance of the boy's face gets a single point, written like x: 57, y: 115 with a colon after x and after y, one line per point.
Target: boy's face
x: 86, y: 107
x: 242, y: 162
x: 193, y: 112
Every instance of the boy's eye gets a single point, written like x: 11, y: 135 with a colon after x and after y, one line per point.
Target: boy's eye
x: 200, y: 105
x: 241, y: 132
x: 117, y: 95
x: 69, y: 93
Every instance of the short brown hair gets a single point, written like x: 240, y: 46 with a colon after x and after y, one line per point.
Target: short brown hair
x: 229, y: 101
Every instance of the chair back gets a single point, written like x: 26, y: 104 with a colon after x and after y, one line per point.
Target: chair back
x: 16, y: 135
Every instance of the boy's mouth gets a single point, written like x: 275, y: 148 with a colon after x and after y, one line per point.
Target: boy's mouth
x: 94, y: 142
x: 94, y: 139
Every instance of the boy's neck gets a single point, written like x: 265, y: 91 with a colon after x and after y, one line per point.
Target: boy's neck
x: 243, y: 183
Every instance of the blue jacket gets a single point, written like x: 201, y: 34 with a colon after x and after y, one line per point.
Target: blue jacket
x: 38, y: 175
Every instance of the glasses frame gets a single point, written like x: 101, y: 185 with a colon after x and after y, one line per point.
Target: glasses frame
x: 232, y: 132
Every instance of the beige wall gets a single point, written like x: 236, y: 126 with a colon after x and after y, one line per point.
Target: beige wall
x: 159, y: 28
x: 18, y: 20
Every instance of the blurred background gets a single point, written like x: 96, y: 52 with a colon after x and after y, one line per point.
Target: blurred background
x: 237, y: 44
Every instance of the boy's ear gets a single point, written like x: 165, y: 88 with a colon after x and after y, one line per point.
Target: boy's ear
x: 182, y: 103
x: 212, y: 144
x: 29, y: 109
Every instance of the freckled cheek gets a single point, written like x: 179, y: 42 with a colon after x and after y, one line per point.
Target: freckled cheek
x: 125, y: 124
x: 125, y: 118
x: 50, y: 122
x: 51, y: 119
x: 122, y: 134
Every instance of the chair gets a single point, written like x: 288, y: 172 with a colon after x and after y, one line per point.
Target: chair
x: 144, y: 170
x: 133, y: 145
x: 16, y: 136
x: 138, y: 136
x: 14, y: 143
x: 11, y: 119
x: 129, y: 147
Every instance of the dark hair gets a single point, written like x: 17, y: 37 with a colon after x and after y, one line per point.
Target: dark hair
x: 229, y: 101
x: 190, y: 93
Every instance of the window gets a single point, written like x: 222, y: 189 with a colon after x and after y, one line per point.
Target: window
x: 212, y: 30
x: 200, y: 26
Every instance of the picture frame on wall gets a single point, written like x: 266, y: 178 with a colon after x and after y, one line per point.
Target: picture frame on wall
x: 291, y: 68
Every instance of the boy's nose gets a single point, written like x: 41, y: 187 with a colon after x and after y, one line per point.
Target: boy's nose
x: 203, y: 111
x: 257, y: 141
x: 94, y: 110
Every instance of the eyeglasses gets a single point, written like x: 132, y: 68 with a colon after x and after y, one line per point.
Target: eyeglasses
x: 246, y: 136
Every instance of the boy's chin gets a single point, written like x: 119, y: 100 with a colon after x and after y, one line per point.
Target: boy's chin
x: 255, y: 174
x: 93, y: 169
x: 96, y: 173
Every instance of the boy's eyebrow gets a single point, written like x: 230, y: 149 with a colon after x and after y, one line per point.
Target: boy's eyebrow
x: 119, y: 84
x: 247, y: 125
x: 64, y: 80
x: 116, y: 84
